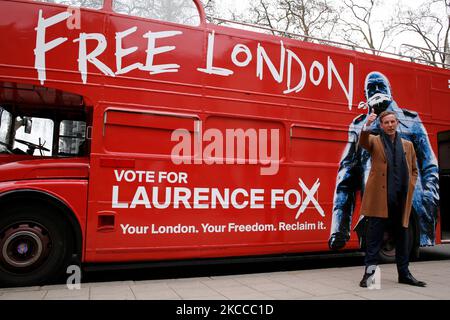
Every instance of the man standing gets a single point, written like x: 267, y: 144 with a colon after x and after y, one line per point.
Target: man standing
x: 387, y: 199
x: 355, y: 166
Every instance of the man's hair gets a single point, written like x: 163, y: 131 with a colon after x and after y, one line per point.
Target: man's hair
x: 387, y: 113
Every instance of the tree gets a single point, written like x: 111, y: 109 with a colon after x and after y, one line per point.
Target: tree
x: 447, y: 33
x: 179, y: 11
x: 266, y: 13
x: 82, y: 3
x: 210, y: 9
x: 310, y: 18
x: 359, y: 27
x: 432, y: 27
x: 313, y: 18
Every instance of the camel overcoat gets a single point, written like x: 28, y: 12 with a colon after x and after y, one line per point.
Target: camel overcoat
x: 374, y: 202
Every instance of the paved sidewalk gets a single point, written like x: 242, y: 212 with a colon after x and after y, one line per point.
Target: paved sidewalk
x: 334, y: 283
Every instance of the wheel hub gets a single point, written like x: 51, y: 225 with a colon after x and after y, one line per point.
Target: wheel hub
x: 24, y: 247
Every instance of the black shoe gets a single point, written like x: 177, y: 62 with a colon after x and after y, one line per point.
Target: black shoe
x: 365, y: 279
x: 337, y: 240
x: 409, y: 279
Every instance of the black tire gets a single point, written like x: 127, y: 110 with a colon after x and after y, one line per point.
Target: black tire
x: 36, y: 245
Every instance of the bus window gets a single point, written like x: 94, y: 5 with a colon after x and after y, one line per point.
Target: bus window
x: 72, y: 138
x: 92, y: 4
x: 177, y: 11
x: 35, y: 123
x: 38, y: 141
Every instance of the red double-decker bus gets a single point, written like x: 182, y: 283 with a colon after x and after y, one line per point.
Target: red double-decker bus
x: 139, y: 134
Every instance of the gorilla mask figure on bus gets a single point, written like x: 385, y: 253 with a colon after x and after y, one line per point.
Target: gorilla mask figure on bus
x: 378, y: 92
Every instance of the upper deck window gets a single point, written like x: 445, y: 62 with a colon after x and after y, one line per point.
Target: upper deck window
x: 177, y: 11
x: 92, y: 4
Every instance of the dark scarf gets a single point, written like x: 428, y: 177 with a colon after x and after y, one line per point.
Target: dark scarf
x: 397, y: 171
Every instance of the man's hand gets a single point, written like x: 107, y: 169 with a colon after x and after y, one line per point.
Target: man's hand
x: 372, y: 117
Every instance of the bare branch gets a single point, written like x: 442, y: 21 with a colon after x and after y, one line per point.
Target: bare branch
x: 316, y: 18
x: 431, y: 26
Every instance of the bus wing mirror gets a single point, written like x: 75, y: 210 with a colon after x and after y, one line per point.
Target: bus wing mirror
x: 28, y: 122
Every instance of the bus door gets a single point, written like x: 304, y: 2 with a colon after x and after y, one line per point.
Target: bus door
x: 444, y: 181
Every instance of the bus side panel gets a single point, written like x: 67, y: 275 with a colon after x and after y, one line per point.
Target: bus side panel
x: 265, y: 216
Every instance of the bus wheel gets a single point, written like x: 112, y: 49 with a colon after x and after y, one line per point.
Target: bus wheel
x: 35, y: 245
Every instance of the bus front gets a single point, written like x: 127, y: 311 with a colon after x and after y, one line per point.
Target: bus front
x: 44, y: 168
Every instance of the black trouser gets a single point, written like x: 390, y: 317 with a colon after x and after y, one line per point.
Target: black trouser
x: 374, y: 241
